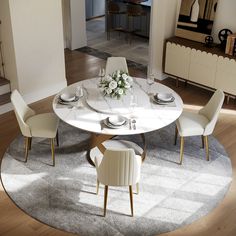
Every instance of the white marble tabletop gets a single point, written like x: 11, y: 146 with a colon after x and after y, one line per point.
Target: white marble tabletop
x: 90, y: 111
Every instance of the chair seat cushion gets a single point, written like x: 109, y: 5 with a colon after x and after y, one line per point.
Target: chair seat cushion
x: 191, y: 124
x: 43, y: 125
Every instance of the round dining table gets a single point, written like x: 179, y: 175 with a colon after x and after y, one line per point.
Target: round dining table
x: 91, y: 112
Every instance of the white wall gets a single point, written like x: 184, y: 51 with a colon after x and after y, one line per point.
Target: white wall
x: 39, y: 48
x: 78, y: 24
x: 225, y: 17
x: 7, y: 44
x: 163, y: 23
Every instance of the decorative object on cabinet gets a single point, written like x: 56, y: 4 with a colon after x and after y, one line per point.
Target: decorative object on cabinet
x: 208, y: 67
x: 222, y: 35
x: 231, y: 44
x: 209, y: 41
x: 196, y: 19
x: 194, y: 11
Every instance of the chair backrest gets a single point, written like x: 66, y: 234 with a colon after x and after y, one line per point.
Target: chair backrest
x: 212, y: 110
x: 22, y: 111
x: 116, y: 63
x: 119, y: 168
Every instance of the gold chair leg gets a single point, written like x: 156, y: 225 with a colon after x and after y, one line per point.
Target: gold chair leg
x: 57, y: 138
x: 137, y: 188
x: 30, y: 143
x: 203, y: 145
x: 176, y: 134
x: 131, y: 200
x: 53, y: 151
x: 97, y: 187
x: 207, y: 148
x: 26, y: 148
x: 105, y: 200
x: 181, y: 149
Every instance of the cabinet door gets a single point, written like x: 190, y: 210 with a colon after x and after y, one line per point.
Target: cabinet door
x: 226, y: 75
x: 202, y: 68
x: 177, y: 60
x: 98, y: 8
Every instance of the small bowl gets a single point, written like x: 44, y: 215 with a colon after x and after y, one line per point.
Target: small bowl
x: 67, y: 97
x: 166, y: 97
x: 116, y: 120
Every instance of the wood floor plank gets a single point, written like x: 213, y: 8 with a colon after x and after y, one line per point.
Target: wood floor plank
x: 79, y: 66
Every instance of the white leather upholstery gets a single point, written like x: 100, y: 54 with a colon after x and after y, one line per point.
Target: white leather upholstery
x: 212, y: 110
x: 190, y: 124
x: 118, y: 167
x: 43, y: 125
x: 22, y: 111
x: 203, y: 122
x: 31, y: 125
x: 116, y: 63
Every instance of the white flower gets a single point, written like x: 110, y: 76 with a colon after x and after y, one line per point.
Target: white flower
x: 127, y: 85
x: 125, y: 77
x: 108, y: 90
x: 130, y: 80
x: 108, y: 78
x: 119, y: 82
x: 120, y: 91
x: 112, y: 84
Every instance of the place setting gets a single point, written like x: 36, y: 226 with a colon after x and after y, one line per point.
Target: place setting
x: 116, y: 122
x: 70, y: 98
x: 163, y: 99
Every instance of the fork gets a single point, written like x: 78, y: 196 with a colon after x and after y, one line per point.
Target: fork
x: 134, y: 124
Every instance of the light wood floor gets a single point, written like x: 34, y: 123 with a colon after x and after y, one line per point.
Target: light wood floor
x: 220, y: 222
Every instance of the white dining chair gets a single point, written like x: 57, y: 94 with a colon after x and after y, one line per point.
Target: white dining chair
x: 116, y: 63
x: 118, y: 167
x: 34, y: 125
x: 201, y: 123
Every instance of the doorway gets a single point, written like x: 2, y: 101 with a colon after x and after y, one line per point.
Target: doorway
x: 132, y: 45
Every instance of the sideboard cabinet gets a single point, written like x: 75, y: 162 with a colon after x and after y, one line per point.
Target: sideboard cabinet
x: 193, y: 61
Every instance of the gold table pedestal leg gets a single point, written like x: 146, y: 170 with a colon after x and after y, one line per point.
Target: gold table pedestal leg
x: 96, y: 140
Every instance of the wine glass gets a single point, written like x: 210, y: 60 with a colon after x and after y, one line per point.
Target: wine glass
x: 150, y: 82
x: 133, y: 101
x: 101, y: 72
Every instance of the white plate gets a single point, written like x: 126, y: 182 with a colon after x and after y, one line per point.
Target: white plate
x: 109, y: 125
x: 116, y: 120
x: 160, y: 102
x: 67, y: 97
x: 165, y: 97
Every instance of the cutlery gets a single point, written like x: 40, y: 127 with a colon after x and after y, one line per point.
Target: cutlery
x: 130, y: 124
x: 134, y: 124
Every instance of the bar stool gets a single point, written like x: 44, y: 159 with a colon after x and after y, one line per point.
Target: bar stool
x: 134, y: 11
x: 113, y: 9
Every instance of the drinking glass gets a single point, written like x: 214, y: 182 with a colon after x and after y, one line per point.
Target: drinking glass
x: 150, y: 82
x: 133, y: 101
x: 79, y: 92
x: 101, y: 72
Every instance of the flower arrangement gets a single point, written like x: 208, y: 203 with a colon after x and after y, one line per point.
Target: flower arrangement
x: 116, y: 85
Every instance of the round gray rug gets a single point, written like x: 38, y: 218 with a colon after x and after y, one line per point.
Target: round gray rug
x: 63, y: 196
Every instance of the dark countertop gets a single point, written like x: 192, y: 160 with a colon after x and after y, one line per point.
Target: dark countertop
x: 200, y: 46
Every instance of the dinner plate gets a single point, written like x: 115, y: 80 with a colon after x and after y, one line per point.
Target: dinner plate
x: 109, y: 125
x: 67, y: 97
x: 66, y: 103
x: 165, y: 97
x: 160, y: 102
x: 116, y: 120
